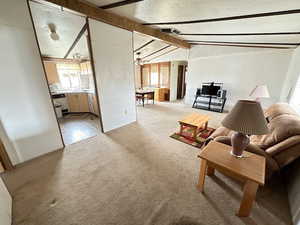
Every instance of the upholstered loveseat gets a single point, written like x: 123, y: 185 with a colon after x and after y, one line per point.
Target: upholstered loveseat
x: 281, y: 146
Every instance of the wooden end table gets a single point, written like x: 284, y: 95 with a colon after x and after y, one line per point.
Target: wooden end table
x: 250, y: 170
x: 195, y: 121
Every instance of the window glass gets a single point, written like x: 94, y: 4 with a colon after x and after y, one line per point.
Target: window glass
x: 164, y: 75
x: 73, y: 76
x: 154, y: 75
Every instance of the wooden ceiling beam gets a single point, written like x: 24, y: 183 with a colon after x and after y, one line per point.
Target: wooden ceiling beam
x: 159, y: 50
x: 247, y: 43
x: 144, y: 45
x: 240, y: 34
x: 248, y: 16
x: 102, y: 15
x: 244, y: 46
x: 165, y: 53
x: 118, y: 4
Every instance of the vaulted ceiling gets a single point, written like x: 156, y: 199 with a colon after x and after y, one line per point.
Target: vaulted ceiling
x: 173, y: 14
x: 256, y: 23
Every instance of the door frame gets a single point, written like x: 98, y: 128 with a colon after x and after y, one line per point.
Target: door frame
x: 4, y: 157
x: 89, y: 43
x: 180, y: 85
x: 44, y: 72
x: 47, y: 81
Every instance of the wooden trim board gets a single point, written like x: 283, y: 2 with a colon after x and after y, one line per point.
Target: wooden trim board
x: 4, y: 158
x: 89, y: 43
x: 244, y: 46
x: 239, y: 17
x: 240, y: 34
x: 81, y: 32
x: 157, y: 51
x: 246, y: 43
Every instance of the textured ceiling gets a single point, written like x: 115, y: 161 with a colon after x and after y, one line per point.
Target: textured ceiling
x: 148, y: 52
x: 153, y: 11
x: 67, y: 26
x: 161, y: 11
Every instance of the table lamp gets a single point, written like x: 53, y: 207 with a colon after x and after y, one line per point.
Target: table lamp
x: 246, y: 118
x: 260, y: 91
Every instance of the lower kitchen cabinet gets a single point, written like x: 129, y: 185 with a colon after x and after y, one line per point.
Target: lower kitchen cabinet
x: 78, y: 102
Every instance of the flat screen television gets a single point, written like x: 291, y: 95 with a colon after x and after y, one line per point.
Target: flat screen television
x: 210, y: 90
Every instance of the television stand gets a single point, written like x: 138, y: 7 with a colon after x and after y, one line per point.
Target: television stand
x: 209, y: 102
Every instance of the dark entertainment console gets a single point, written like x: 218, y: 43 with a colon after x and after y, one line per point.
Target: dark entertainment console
x: 210, y: 97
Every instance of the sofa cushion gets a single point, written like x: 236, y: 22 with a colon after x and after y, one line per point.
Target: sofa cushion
x: 279, y: 109
x: 281, y: 127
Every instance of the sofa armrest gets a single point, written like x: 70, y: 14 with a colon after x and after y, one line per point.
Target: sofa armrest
x: 223, y: 139
x: 220, y: 131
x: 281, y: 146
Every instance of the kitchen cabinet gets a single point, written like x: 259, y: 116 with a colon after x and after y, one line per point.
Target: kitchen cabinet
x: 51, y: 72
x: 78, y: 102
x: 161, y: 94
x: 85, y: 68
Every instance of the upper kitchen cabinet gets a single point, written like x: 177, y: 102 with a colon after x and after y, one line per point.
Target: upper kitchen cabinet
x: 85, y: 68
x: 51, y: 72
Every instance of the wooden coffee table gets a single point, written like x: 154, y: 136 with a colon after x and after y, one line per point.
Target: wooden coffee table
x: 195, y: 121
x: 250, y: 170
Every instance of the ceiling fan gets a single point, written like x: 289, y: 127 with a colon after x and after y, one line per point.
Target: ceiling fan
x: 53, y: 35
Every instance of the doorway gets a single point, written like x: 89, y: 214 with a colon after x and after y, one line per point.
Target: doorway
x: 181, y: 85
x: 63, y: 38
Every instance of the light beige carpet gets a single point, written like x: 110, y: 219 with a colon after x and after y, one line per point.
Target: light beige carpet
x: 135, y: 175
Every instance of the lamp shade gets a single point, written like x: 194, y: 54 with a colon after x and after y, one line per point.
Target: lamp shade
x: 246, y: 117
x: 260, y: 91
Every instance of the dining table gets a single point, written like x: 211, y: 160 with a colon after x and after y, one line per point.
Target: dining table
x: 143, y: 94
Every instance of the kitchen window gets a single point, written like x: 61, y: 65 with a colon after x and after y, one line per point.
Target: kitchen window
x: 71, y: 77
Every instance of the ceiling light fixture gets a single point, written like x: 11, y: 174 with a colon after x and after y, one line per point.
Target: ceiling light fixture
x: 170, y: 30
x: 53, y: 35
x: 138, y: 60
x: 77, y: 56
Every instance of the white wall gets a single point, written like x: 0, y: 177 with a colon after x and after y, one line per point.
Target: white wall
x: 26, y: 111
x: 292, y: 76
x: 292, y: 174
x: 113, y: 57
x: 138, y: 73
x: 5, y: 205
x: 239, y: 71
